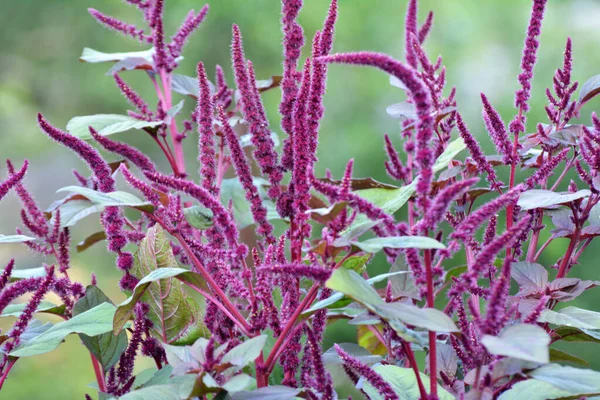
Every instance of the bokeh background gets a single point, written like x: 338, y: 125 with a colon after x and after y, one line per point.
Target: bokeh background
x: 40, y: 41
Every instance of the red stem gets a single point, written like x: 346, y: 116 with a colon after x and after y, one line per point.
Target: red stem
x: 98, y: 373
x: 415, y: 367
x: 432, y: 335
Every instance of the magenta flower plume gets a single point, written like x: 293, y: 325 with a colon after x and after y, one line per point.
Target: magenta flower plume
x: 497, y: 130
x: 323, y: 382
x: 362, y: 369
x: 120, y: 26
x: 222, y: 216
x: 13, y: 180
x: 133, y: 97
x: 546, y: 169
x: 393, y: 165
x: 482, y: 163
x: 125, y: 150
x: 468, y: 227
x: 6, y: 273
x: 206, y: 143
x: 425, y: 28
x: 410, y: 32
x: 238, y: 158
x: 149, y: 193
x: 326, y: 42
x: 162, y: 61
x: 527, y: 63
x: 32, y: 215
x: 93, y: 159
x: 191, y: 22
x: 420, y: 96
x: 293, y: 40
x: 299, y: 270
x: 264, y: 147
x: 445, y: 197
x: 495, y: 316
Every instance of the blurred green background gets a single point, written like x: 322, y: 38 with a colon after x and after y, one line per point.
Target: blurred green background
x: 40, y: 41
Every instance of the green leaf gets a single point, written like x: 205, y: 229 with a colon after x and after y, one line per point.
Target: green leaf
x: 187, y: 85
x: 17, y: 274
x: 94, y: 56
x: 15, y: 238
x: 522, y: 341
x: 268, y: 393
x: 402, y: 111
x: 532, y: 389
x: 397, y: 83
x: 403, y: 381
x: 74, y: 211
x: 176, y: 109
x: 574, y: 380
x: 107, y: 347
x: 178, y: 388
x: 176, y: 318
x: 120, y: 199
x: 427, y: 318
x: 570, y: 334
x: 14, y: 310
x: 560, y: 356
x: 354, y: 286
x: 573, y: 317
x: 106, y: 124
x: 355, y: 263
x: 398, y: 242
x: 246, y: 352
x: 231, y: 189
x: 93, y: 322
x: 90, y: 241
x: 199, y: 217
x: 238, y: 383
x: 539, y: 198
x: 589, y: 89
x: 451, y: 151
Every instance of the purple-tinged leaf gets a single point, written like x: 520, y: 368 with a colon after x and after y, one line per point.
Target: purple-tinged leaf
x: 522, y: 341
x: 589, y: 89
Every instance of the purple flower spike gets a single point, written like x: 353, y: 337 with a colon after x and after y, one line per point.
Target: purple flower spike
x: 527, y: 63
x: 442, y: 201
x: 485, y: 212
x: 96, y: 163
x: 120, y: 26
x: 482, y: 163
x: 264, y: 151
x: 323, y: 380
x: 293, y: 40
x: 410, y: 32
x: 33, y: 212
x: 259, y: 212
x: 393, y: 166
x: 161, y: 58
x: 190, y: 24
x: 546, y: 169
x: 421, y: 99
x: 222, y: 216
x: 130, y: 153
x: 497, y: 130
x: 13, y: 180
x: 326, y: 42
x: 133, y: 97
x: 6, y: 274
x: 362, y: 369
x: 206, y: 144
x: 148, y: 192
x: 425, y: 28
x: 299, y: 270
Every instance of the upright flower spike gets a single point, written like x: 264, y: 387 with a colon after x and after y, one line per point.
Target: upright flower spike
x: 527, y: 63
x: 442, y: 201
x: 206, y: 143
x: 33, y: 211
x: 6, y: 274
x: 293, y: 40
x: 13, y: 180
x: 323, y: 380
x: 125, y: 150
x: 191, y: 22
x: 421, y: 99
x: 93, y: 159
x: 425, y: 28
x: 120, y: 26
x: 264, y: 147
x: 259, y: 212
x: 133, y: 97
x: 410, y: 31
x: 162, y: 61
x: 393, y: 165
x: 482, y: 163
x: 497, y: 130
x: 326, y: 42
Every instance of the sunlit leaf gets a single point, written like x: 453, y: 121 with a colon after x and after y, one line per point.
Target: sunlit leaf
x: 539, y: 198
x: 15, y: 238
x: 522, y: 341
x: 106, y: 124
x: 398, y: 242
